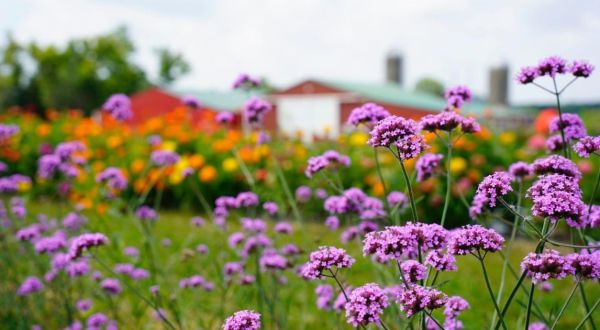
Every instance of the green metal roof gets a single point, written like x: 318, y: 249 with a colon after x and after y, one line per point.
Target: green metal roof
x: 221, y: 100
x: 394, y: 94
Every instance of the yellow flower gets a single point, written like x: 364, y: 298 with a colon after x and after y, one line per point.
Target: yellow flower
x: 457, y: 165
x: 507, y: 138
x: 24, y: 186
x: 230, y: 164
x: 358, y: 139
x: 114, y: 141
x: 168, y: 145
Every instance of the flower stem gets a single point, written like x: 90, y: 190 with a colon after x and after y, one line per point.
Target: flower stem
x: 448, y: 179
x: 560, y: 120
x: 588, y: 315
x: 564, y: 306
x: 413, y: 207
x: 385, y: 192
x: 489, y: 287
x: 288, y: 193
x: 531, y: 292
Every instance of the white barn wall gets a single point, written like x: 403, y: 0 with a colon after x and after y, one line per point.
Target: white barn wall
x: 312, y: 115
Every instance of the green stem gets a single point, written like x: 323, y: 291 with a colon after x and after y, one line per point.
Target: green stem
x: 529, y: 303
x: 586, y: 305
x: 413, y: 207
x: 489, y: 287
x: 244, y: 169
x: 561, y: 123
x: 448, y: 179
x: 588, y: 315
x: 288, y: 192
x: 385, y: 191
x: 564, y: 306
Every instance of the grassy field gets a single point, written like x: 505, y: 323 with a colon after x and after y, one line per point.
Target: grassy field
x: 295, y: 302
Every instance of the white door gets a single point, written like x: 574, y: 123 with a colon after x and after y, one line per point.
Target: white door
x: 311, y: 115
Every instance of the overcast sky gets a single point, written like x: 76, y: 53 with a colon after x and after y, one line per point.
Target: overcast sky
x: 456, y: 41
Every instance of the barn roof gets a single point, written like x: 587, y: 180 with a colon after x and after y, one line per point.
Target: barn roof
x: 231, y: 100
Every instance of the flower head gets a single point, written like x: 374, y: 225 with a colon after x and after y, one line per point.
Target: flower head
x: 527, y: 75
x: 472, y: 238
x: 426, y: 165
x: 540, y: 267
x: 416, y: 298
x: 224, y: 117
x: 520, y: 169
x: 552, y: 66
x: 243, y: 320
x: 329, y: 159
x: 118, y: 106
x: 440, y: 261
x: 458, y: 95
x: 586, y: 266
x: 326, y: 258
x: 191, y: 101
x: 244, y: 81
x: 164, y: 157
x: 587, y: 145
x: 490, y: 189
x: 84, y: 242
x: 368, y: 114
x: 255, y: 110
x: 396, y: 242
x: 581, y: 69
x: 413, y: 271
x: 555, y: 164
x: 365, y: 304
x: 571, y: 124
x: 391, y: 130
x: 146, y: 213
x: 31, y: 285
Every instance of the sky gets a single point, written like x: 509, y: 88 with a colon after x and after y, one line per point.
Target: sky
x: 454, y: 41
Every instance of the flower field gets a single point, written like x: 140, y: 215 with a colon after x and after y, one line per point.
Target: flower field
x: 440, y: 223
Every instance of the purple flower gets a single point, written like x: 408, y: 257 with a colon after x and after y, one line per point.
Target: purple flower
x: 235, y: 239
x: 326, y: 258
x: 202, y: 248
x: 454, y: 306
x: 270, y: 207
x: 131, y: 251
x: 197, y: 221
x: 255, y: 109
x: 118, y: 106
x: 469, y: 125
x: 491, y: 188
x: 572, y: 125
x: 77, y: 268
x: 426, y: 165
x: 441, y: 262
x: 253, y: 225
x: 17, y: 208
x: 246, y: 199
x: 472, y: 238
x: 244, y: 81
x: 365, y: 304
x: 560, y: 204
x: 586, y: 266
x: 581, y: 69
x: 164, y: 157
x: 552, y: 66
x: 47, y: 166
x: 113, y: 177
x: 592, y: 218
x: 272, y: 260
x: 368, y: 114
x: 13, y: 183
x: 413, y: 271
x: 444, y: 121
x: 332, y: 222
x: 154, y: 140
x: 540, y: 267
x: 146, y: 213
x: 31, y: 285
x: 587, y: 145
x: 303, y: 194
x: 191, y: 101
x: 84, y: 242
x: 411, y: 146
x: 324, y: 296
x: 331, y: 159
x: 29, y: 233
x: 458, y: 95
x: 52, y: 243
x: 73, y: 221
x: 546, y: 286
x: 397, y: 199
x: 416, y: 298
x: 321, y: 193
x: 111, y: 286
x: 396, y: 242
x: 391, y: 130
x: 554, y: 143
x: 290, y: 249
x: 243, y: 320
x: 84, y: 305
x: 224, y: 117
x: 527, y: 75
x: 520, y: 169
x: 537, y: 326
x: 283, y: 228
x: 8, y: 130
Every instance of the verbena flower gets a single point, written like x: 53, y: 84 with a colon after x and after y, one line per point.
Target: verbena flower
x: 581, y: 69
x: 274, y: 261
x: 324, y: 296
x: 326, y: 258
x: 271, y: 208
x: 330, y: 159
x: 365, y: 305
x: 164, y: 157
x: 244, y: 81
x: 560, y: 204
x: 397, y: 199
x: 397, y: 242
x: 8, y: 130
x: 554, y: 143
x: 224, y: 117
x: 413, y: 271
x: 146, y: 213
x: 592, y: 218
x: 246, y: 199
x: 391, y: 130
x: 255, y: 110
x: 52, y: 243
x: 471, y: 238
x: 537, y: 326
x: 443, y: 262
x: 83, y: 305
x: 572, y: 126
x: 85, y: 242
x: 113, y: 177
x: 303, y: 194
x: 586, y: 266
x: 111, y: 286
x: 283, y: 228
x: 520, y: 169
x: 527, y: 75
x: 426, y: 165
x: 411, y: 146
x: 587, y: 145
x: 458, y: 95
x: 31, y: 285
x: 118, y: 106
x: 191, y: 101
x: 491, y: 188
x: 540, y: 267
x: 243, y: 320
x: 454, y: 306
x: 416, y: 298
x: 555, y: 164
x: 73, y: 221
x: 332, y: 222
x: 368, y: 114
x: 548, y: 184
x: 551, y: 66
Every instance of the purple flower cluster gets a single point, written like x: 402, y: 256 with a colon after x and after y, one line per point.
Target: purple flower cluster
x: 440, y: 261
x: 556, y: 164
x: 146, y: 213
x: 354, y: 200
x: 164, y: 157
x: 452, y: 309
x: 243, y: 320
x: 113, y: 177
x: 224, y: 117
x: 587, y: 145
x: 391, y: 130
x: 8, y: 130
x: 448, y: 121
x: 131, y: 271
x: 191, y: 101
x: 558, y: 196
x: 255, y: 109
x: 84, y: 242
x: 489, y: 190
x: 413, y: 271
x: 326, y: 258
x: 111, y: 286
x: 416, y: 298
x: 273, y: 261
x: 426, y: 165
x: 585, y: 266
x: 13, y: 183
x: 368, y: 114
x: 540, y: 267
x: 63, y: 159
x: 397, y: 242
x: 571, y: 124
x: 52, y: 243
x: 329, y: 159
x: 458, y: 95
x: 592, y: 216
x: 196, y: 281
x: 520, y: 169
x: 118, y: 106
x: 397, y: 199
x: 365, y: 304
x: 31, y: 285
x: 471, y: 238
x: 324, y: 296
x: 552, y: 66
x: 244, y: 81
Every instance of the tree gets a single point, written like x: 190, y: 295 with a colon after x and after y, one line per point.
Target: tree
x: 430, y: 86
x: 171, y: 66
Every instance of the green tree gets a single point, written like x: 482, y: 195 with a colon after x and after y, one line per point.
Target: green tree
x: 430, y: 86
x: 171, y: 66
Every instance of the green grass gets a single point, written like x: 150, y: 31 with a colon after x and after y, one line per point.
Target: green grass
x: 199, y: 309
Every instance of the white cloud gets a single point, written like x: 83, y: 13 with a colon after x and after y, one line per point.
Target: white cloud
x: 456, y: 41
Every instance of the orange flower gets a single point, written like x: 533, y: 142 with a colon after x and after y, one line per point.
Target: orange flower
x: 137, y: 166
x: 43, y: 129
x: 196, y: 161
x: 207, y: 174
